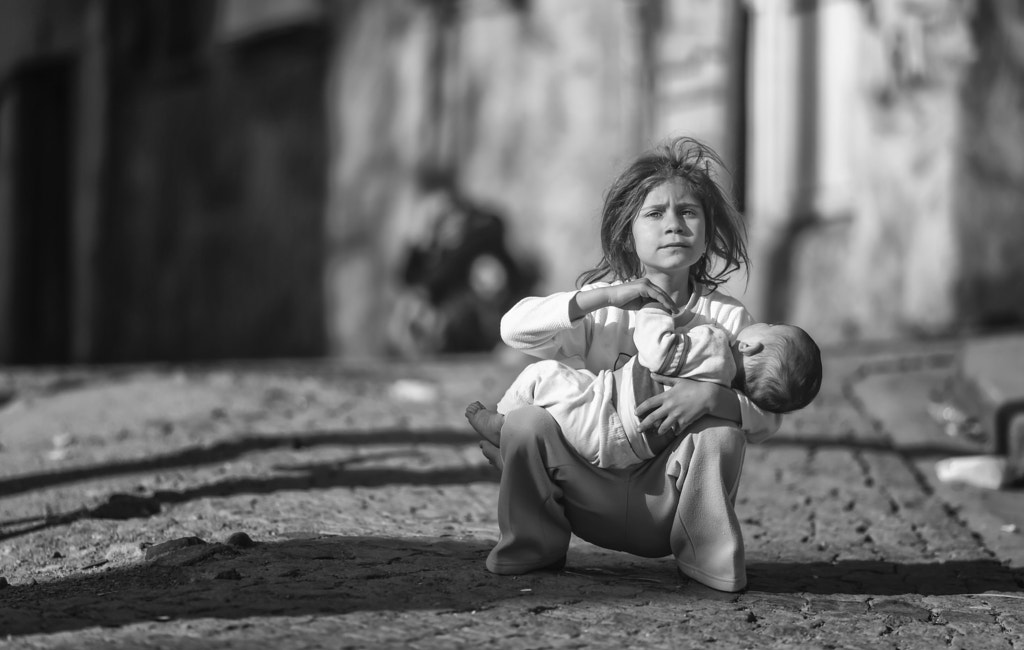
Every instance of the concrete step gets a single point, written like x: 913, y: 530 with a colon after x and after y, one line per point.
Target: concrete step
x: 984, y: 397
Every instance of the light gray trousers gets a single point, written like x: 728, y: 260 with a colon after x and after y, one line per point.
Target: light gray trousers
x: 680, y: 502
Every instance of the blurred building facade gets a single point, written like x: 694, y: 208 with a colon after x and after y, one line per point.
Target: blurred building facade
x: 887, y: 177
x: 162, y: 192
x: 190, y: 179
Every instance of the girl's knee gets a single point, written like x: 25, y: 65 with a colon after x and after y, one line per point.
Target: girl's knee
x: 547, y: 366
x: 721, y: 440
x: 527, y: 425
x: 535, y: 376
x: 539, y: 371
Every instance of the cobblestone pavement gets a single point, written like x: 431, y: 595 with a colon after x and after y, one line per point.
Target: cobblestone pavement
x: 367, y: 512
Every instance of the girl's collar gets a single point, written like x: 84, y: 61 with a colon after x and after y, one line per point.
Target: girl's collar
x: 695, y: 295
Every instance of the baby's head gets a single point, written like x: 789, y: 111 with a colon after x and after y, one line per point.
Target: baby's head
x: 781, y: 366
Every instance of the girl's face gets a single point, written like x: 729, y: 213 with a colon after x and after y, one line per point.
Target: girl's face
x: 669, y: 230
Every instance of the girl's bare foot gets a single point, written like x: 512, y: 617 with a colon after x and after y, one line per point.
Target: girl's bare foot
x: 486, y: 422
x: 492, y: 454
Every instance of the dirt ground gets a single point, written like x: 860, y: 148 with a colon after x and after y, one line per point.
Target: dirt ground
x: 347, y: 505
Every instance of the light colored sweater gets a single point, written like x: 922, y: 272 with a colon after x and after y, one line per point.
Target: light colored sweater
x: 604, y: 339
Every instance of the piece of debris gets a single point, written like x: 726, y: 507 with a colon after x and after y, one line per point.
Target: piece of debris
x: 126, y: 552
x: 413, y: 390
x: 1008, y: 528
x: 63, y: 440
x: 57, y: 455
x: 230, y: 574
x: 170, y: 546
x: 956, y: 422
x: 126, y: 506
x: 240, y: 540
x: 990, y: 472
x: 3, y: 583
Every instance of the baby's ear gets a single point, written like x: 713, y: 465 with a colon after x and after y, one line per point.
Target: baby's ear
x: 749, y: 349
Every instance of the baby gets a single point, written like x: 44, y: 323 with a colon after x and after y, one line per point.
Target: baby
x: 777, y: 366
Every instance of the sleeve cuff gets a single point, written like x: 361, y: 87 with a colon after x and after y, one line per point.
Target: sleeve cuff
x: 758, y: 424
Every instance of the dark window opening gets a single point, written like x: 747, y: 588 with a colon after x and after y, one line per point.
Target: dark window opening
x: 41, y: 264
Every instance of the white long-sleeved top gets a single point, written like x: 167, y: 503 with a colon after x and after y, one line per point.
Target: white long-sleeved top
x: 603, y: 339
x: 668, y: 345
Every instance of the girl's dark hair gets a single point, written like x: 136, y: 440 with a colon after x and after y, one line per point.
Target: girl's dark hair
x: 696, y: 164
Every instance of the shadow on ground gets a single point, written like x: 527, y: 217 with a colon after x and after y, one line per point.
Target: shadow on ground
x: 232, y: 449
x: 340, y: 473
x: 881, y: 578
x: 331, y: 575
x: 937, y: 448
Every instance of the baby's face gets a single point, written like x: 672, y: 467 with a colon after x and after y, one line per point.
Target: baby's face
x: 759, y: 333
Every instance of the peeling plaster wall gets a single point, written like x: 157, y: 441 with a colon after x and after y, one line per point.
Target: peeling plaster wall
x: 989, y: 181
x: 928, y: 243
x: 904, y: 255
x: 533, y: 110
x: 377, y: 110
x: 252, y: 210
x: 548, y: 106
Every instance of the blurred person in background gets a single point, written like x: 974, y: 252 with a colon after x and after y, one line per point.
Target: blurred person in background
x: 458, y: 282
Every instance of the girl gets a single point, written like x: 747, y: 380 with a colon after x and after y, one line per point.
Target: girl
x: 670, y: 235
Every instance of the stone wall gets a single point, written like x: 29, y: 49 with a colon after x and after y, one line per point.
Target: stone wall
x: 989, y: 179
x: 198, y: 228
x: 531, y: 108
x: 256, y: 197
x: 904, y: 254
x: 923, y: 240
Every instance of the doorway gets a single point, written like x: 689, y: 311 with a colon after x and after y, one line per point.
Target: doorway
x: 39, y: 325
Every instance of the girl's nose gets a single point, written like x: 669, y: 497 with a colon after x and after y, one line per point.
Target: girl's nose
x: 675, y: 224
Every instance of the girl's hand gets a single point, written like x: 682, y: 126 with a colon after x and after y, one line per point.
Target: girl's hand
x: 673, y: 411
x: 636, y: 293
x: 628, y: 295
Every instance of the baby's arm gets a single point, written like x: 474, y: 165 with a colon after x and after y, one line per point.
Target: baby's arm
x: 659, y: 347
x: 758, y: 423
x: 730, y: 404
x: 701, y: 353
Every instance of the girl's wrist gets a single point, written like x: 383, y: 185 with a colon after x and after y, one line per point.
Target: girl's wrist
x: 577, y: 308
x: 574, y: 307
x: 584, y: 302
